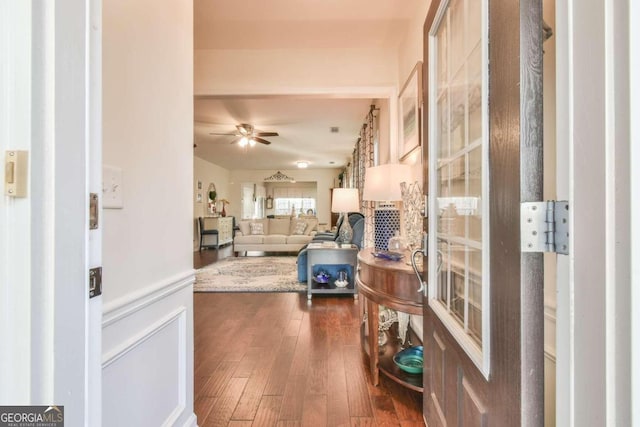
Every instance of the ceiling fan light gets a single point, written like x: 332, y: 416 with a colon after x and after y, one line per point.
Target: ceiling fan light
x: 252, y: 142
x: 243, y: 142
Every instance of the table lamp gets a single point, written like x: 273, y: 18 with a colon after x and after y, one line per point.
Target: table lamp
x: 382, y: 184
x: 345, y: 200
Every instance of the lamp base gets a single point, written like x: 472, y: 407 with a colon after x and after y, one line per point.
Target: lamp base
x: 386, y: 223
x: 345, y: 234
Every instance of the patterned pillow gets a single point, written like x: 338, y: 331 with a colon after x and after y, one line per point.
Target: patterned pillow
x: 300, y: 227
x: 256, y: 228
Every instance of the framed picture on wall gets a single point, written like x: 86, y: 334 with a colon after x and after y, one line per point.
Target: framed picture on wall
x: 200, y: 186
x: 409, y: 107
x: 269, y: 202
x: 199, y: 197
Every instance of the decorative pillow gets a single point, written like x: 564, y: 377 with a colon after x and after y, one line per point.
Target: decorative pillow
x: 244, y: 227
x: 312, y: 224
x: 256, y: 228
x: 299, y: 227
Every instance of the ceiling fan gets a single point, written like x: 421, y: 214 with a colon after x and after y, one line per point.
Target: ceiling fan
x: 246, y: 135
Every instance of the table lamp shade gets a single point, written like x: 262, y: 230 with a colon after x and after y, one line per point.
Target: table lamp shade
x: 345, y: 200
x: 382, y: 184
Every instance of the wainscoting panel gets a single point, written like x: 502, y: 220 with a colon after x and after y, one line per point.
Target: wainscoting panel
x: 147, y: 361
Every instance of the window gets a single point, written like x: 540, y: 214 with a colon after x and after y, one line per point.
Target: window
x: 295, y: 205
x: 459, y: 151
x: 294, y: 200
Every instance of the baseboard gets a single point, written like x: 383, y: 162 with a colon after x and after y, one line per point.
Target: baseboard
x: 192, y: 421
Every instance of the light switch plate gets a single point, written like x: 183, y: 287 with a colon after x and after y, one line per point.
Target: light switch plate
x: 112, y: 187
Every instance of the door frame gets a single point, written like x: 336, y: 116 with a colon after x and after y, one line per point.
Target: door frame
x: 57, y: 323
x: 593, y: 151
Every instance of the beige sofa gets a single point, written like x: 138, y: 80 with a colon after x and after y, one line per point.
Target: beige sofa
x: 274, y: 234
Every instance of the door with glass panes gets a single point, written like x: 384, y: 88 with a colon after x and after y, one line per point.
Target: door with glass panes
x: 482, y: 156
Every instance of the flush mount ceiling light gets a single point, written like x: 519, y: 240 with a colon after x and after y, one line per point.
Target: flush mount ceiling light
x: 279, y: 177
x: 302, y: 164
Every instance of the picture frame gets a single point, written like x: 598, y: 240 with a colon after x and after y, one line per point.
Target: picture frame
x: 199, y: 197
x: 409, y: 113
x: 269, y: 202
x: 200, y: 186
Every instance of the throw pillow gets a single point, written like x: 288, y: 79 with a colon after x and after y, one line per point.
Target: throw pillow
x: 312, y: 225
x: 300, y: 227
x: 256, y: 228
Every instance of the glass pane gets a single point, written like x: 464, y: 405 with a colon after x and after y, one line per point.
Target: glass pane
x: 474, y: 178
x: 475, y: 294
x: 443, y: 128
x: 474, y: 23
x: 458, y: 112
x: 457, y: 272
x: 474, y: 97
x: 444, y: 276
x: 441, y: 46
x: 456, y: 35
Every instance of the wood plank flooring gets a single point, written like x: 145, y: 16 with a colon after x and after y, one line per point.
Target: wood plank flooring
x: 273, y: 360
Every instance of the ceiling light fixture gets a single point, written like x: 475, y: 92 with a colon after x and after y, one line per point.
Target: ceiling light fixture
x: 243, y: 141
x: 302, y: 164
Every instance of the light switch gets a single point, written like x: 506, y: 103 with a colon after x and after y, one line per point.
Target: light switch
x: 112, y: 187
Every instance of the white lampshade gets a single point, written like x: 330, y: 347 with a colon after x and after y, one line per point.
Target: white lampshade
x: 345, y: 200
x: 382, y: 183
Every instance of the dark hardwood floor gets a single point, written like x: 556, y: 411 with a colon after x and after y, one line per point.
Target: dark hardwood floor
x: 269, y: 359
x: 209, y: 256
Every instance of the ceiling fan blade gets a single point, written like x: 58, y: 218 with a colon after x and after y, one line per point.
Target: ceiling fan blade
x: 223, y: 134
x: 266, y: 134
x: 235, y: 140
x: 261, y: 141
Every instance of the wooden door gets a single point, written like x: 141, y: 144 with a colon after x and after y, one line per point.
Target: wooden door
x: 482, y: 157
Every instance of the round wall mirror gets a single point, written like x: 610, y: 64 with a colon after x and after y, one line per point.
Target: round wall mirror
x: 212, y: 197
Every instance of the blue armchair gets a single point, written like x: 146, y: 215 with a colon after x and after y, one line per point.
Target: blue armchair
x: 358, y: 237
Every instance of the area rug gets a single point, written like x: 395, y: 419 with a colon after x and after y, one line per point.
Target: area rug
x: 250, y: 274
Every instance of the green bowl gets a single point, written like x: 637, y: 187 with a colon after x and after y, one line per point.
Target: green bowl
x: 410, y: 360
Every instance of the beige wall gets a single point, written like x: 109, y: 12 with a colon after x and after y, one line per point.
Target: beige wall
x: 147, y: 113
x: 148, y: 132
x: 409, y: 53
x: 286, y: 71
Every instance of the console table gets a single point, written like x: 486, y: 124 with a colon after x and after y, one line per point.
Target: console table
x: 224, y: 226
x: 394, y: 285
x: 331, y: 257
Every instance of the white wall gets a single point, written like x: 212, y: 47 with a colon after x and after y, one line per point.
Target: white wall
x: 206, y: 173
x: 324, y: 178
x: 148, y: 274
